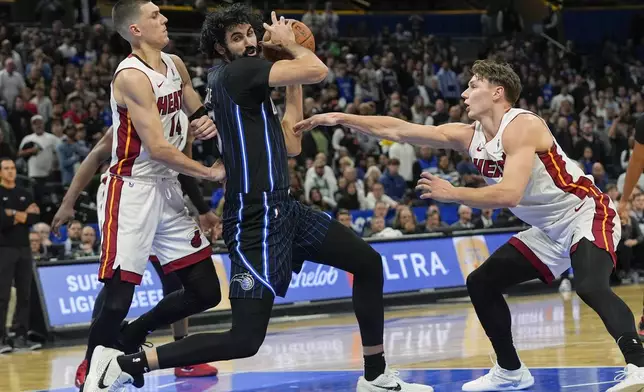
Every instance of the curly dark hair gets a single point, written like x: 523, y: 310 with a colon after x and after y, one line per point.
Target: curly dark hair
x: 217, y: 23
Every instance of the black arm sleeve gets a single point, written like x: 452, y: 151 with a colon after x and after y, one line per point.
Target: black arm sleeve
x: 247, y: 80
x: 191, y: 188
x: 639, y: 130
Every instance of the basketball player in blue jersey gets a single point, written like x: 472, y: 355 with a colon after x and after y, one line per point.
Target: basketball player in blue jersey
x: 267, y: 232
x: 573, y: 222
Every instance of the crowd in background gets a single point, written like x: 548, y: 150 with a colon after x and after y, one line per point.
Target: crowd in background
x: 54, y: 96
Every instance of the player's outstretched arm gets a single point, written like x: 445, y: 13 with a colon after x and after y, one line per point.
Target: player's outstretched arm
x: 635, y: 165
x: 520, y: 141
x: 455, y: 136
x: 89, y: 166
x: 292, y: 115
x: 144, y: 115
x: 201, y: 126
x: 304, y: 68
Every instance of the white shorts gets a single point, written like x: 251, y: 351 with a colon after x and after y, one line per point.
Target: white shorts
x: 549, y: 249
x: 140, y: 218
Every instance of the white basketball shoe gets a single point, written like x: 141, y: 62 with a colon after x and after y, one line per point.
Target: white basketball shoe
x: 632, y: 379
x: 105, y: 373
x: 389, y: 381
x: 499, y: 379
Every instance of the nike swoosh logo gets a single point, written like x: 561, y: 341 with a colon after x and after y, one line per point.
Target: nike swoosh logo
x: 396, y: 388
x: 160, y: 84
x: 578, y: 208
x: 101, y: 381
x: 479, y: 148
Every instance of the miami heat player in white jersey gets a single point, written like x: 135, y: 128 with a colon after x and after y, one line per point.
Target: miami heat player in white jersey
x: 142, y: 208
x: 129, y: 157
x: 560, y: 202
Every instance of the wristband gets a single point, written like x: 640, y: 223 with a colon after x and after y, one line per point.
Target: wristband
x: 198, y: 114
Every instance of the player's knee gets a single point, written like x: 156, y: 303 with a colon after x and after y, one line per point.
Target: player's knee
x: 476, y: 282
x: 588, y: 290
x: 208, y: 296
x: 247, y: 343
x: 371, y: 266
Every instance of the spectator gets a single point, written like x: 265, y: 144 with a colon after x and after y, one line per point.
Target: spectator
x: 17, y: 213
x: 88, y: 244
x: 11, y: 83
x: 464, y: 218
x: 350, y: 198
x: 43, y: 103
x: 448, y: 83
x: 484, y: 221
x: 377, y: 194
x: 71, y: 151
x: 433, y: 223
x: 393, y: 183
x: 37, y: 250
x: 316, y: 199
x: 44, y: 231
x: 76, y: 113
x: 631, y: 237
x: 405, y: 221
x: 325, y: 184
x: 39, y: 148
x: 600, y: 177
x: 446, y: 171
x: 587, y: 161
x: 344, y: 217
x: 405, y: 153
x: 73, y: 241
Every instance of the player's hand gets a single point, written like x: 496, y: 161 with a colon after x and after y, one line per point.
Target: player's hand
x: 433, y: 187
x: 207, y: 222
x: 203, y: 128
x: 217, y: 172
x: 64, y: 214
x: 281, y: 33
x: 326, y: 119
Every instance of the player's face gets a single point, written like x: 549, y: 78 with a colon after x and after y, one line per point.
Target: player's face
x: 152, y: 26
x: 480, y: 97
x: 241, y: 41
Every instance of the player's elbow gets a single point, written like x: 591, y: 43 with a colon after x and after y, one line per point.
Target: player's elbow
x: 159, y: 152
x: 294, y: 151
x: 511, y: 198
x: 317, y: 73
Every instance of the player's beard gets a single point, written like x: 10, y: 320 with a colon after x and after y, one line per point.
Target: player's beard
x: 247, y: 53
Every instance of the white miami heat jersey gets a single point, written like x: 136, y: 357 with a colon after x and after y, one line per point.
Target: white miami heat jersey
x: 129, y: 156
x: 557, y: 187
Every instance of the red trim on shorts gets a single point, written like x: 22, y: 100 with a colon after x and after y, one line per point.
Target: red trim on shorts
x: 543, y: 269
x: 132, y: 277
x: 128, y: 145
x: 603, y: 225
x: 186, y: 261
x: 110, y: 228
x: 154, y: 259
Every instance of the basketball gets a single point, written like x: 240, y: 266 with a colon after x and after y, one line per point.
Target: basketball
x: 303, y: 36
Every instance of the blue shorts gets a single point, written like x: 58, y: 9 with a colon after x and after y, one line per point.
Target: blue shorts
x: 268, y: 238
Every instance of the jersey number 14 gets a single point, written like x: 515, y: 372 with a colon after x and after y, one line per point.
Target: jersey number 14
x: 175, y: 126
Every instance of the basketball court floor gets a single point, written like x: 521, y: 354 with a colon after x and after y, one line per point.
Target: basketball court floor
x: 560, y: 339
